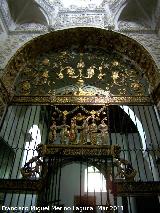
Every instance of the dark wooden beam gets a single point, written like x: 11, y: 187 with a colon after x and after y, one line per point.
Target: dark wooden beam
x: 20, y: 185
x: 136, y: 188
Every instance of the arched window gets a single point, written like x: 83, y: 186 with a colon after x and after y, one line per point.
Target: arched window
x: 137, y: 123
x: 33, y: 138
x: 94, y: 180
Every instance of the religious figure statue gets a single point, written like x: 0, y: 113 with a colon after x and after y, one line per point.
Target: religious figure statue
x: 103, y: 127
x: 73, y: 132
x: 90, y: 72
x: 93, y: 132
x: 125, y: 170
x: 130, y: 172
x: 53, y: 132
x: 64, y: 133
x: 84, y: 132
x: 120, y: 168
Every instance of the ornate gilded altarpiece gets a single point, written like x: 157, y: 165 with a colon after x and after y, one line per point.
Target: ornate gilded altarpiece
x: 81, y: 76
x: 84, y: 62
x: 81, y: 67
x: 78, y: 75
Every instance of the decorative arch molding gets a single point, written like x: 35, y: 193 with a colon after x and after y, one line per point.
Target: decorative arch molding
x: 64, y: 39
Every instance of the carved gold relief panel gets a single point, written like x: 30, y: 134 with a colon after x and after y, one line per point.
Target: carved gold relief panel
x: 80, y: 62
x: 86, y: 72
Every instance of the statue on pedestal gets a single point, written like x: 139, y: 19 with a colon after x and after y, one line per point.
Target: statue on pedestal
x: 64, y: 133
x: 53, y: 132
x: 93, y: 132
x: 103, y: 127
x: 73, y: 132
x: 84, y: 132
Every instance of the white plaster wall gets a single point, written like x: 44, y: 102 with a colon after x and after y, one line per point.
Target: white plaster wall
x: 71, y: 176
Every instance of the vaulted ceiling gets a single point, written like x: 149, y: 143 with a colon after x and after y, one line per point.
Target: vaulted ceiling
x: 43, y: 15
x: 23, y: 11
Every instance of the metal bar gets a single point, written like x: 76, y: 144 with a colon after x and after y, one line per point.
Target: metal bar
x: 27, y: 151
x: 4, y: 133
x: 16, y: 148
x: 23, y: 121
x: 147, y: 145
x: 129, y: 205
x: 141, y: 149
x: 59, y: 184
x: 135, y: 149
x: 22, y: 152
x: 157, y: 142
x: 55, y: 187
x: 80, y: 190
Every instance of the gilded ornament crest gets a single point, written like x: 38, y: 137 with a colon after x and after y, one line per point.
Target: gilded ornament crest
x: 99, y: 70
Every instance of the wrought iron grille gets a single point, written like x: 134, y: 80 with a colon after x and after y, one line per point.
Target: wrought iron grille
x: 44, y: 168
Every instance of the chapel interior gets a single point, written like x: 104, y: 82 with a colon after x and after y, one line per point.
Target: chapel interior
x: 80, y: 106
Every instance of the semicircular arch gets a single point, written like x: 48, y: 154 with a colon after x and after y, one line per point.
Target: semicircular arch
x: 82, y: 37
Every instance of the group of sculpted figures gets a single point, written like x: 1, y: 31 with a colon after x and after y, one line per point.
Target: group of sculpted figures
x: 88, y: 132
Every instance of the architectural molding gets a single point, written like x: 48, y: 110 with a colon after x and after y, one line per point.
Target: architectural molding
x: 21, y: 185
x: 119, y: 188
x: 89, y: 100
x: 79, y: 150
x: 123, y: 188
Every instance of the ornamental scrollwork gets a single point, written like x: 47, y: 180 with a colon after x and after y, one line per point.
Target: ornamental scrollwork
x: 124, y: 170
x: 33, y: 168
x: 110, y: 59
x: 81, y: 72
